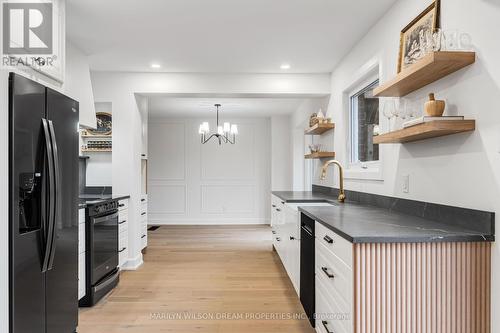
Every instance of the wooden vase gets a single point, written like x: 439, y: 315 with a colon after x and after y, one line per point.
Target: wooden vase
x: 433, y: 107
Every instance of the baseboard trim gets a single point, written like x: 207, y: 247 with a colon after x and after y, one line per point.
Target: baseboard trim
x: 210, y: 221
x: 133, y: 264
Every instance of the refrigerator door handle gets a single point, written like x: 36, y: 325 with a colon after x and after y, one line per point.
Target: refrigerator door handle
x: 57, y: 185
x: 50, y: 200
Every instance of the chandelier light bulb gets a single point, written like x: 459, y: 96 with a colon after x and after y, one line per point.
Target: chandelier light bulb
x: 220, y: 130
x: 227, y: 127
x: 206, y: 127
x: 234, y: 129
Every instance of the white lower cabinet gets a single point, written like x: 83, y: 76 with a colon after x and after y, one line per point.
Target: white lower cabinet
x: 334, y: 282
x: 122, y: 232
x: 144, y: 221
x: 286, y: 238
x: 81, y: 253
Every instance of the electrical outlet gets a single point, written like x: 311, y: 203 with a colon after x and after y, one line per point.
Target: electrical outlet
x: 406, y: 183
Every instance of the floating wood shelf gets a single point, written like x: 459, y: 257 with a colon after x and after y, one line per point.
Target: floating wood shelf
x: 96, y: 150
x: 321, y: 154
x: 319, y: 129
x: 97, y: 136
x: 427, y: 130
x: 430, y: 68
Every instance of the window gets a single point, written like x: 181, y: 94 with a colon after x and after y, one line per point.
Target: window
x: 364, y: 123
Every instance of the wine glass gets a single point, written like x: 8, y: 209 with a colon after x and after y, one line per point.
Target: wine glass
x: 390, y: 110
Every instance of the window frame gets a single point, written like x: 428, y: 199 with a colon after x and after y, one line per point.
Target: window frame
x: 371, y: 170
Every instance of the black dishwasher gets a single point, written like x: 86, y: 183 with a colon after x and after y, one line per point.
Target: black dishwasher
x: 307, y: 276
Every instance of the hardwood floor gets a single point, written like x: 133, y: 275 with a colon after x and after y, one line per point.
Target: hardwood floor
x: 202, y: 273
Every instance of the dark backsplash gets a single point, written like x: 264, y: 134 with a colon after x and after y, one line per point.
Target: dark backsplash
x: 98, y: 190
x: 483, y: 221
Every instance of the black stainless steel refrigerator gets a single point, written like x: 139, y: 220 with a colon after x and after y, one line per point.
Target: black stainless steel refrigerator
x: 43, y: 209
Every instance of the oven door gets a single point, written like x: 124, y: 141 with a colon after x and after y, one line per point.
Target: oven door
x: 105, y: 245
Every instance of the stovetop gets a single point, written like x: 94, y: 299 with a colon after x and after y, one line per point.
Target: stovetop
x: 93, y: 199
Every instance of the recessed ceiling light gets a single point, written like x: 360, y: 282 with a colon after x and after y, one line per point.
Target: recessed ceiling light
x: 285, y: 66
x: 155, y: 65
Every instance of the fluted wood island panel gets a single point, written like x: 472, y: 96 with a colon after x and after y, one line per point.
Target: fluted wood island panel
x: 422, y: 287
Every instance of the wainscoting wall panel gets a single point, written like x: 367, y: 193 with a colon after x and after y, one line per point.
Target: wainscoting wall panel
x: 169, y: 199
x: 167, y: 151
x: 191, y: 183
x: 220, y: 199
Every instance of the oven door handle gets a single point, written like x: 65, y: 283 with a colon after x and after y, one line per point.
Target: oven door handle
x: 307, y: 230
x: 105, y: 218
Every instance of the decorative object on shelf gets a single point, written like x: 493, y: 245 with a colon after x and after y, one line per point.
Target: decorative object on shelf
x: 226, y: 133
x: 313, y: 120
x: 315, y: 148
x: 104, y: 124
x: 455, y: 40
x: 390, y: 111
x: 433, y: 107
x: 98, y: 145
x: 320, y: 115
x: 415, y: 36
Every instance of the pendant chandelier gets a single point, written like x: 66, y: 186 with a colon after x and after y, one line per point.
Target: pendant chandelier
x: 225, y: 134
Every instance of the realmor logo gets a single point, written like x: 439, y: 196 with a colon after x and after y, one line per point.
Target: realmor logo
x: 27, y: 28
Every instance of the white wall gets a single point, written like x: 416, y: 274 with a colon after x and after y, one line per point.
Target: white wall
x: 78, y: 85
x: 191, y: 183
x: 120, y: 89
x: 281, y: 154
x: 302, y: 169
x: 460, y: 170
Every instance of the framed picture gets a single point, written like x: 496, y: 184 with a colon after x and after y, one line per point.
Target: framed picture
x: 104, y: 124
x: 412, y: 41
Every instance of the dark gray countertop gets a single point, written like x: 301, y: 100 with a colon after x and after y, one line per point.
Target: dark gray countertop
x: 302, y: 196
x: 85, y: 199
x: 361, y: 223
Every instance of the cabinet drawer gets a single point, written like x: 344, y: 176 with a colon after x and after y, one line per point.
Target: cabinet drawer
x: 336, y: 318
x: 81, y: 216
x: 122, y: 226
x: 122, y: 256
x: 335, y: 276
x: 123, y: 204
x: 122, y: 240
x: 336, y: 244
x: 123, y: 215
x: 81, y: 275
x: 81, y: 238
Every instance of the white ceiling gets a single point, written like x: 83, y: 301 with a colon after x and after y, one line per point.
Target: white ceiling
x: 165, y: 106
x: 224, y: 36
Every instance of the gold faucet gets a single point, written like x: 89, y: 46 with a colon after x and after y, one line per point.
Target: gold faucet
x: 341, y: 197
